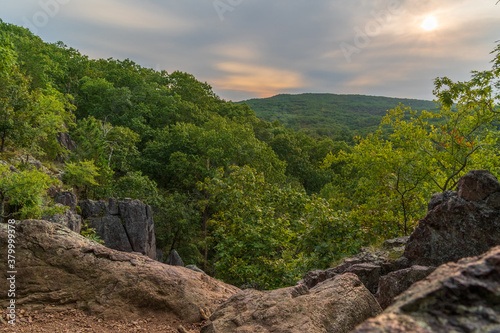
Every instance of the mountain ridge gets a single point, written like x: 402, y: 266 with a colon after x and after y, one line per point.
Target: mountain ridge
x: 339, y: 116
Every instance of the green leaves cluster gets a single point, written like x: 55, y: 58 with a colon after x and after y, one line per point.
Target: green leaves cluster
x: 25, y: 191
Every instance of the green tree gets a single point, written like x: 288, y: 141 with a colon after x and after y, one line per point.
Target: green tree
x: 24, y: 191
x: 81, y: 175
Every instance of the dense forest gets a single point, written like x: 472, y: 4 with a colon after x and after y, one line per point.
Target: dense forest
x: 340, y: 117
x: 250, y: 201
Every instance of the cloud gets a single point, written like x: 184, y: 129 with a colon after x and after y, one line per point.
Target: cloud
x: 265, y: 47
x: 260, y: 80
x: 126, y: 14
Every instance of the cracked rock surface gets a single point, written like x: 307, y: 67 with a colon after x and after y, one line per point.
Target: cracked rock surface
x: 56, y: 266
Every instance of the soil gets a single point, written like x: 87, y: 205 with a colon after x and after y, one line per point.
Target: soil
x: 76, y: 321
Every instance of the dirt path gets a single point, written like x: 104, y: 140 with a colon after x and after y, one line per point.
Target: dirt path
x: 76, y: 321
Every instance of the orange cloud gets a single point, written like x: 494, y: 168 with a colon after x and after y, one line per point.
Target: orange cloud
x: 260, y: 80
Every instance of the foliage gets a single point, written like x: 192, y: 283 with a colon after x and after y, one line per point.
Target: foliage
x: 81, y: 175
x: 88, y: 232
x: 339, y: 117
x: 26, y: 190
x: 136, y: 186
x: 269, y: 236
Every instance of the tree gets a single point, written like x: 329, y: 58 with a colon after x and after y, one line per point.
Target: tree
x: 24, y: 191
x: 81, y: 175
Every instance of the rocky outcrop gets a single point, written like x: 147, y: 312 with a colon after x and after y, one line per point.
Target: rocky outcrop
x: 381, y: 273
x: 458, y: 224
x: 125, y: 225
x: 457, y: 297
x: 69, y: 218
x: 62, y: 270
x: 335, y: 305
x: 394, y: 283
x: 368, y: 265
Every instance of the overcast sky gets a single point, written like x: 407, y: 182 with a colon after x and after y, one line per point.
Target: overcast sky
x: 259, y: 48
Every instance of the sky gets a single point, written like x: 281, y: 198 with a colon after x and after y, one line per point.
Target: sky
x: 259, y: 48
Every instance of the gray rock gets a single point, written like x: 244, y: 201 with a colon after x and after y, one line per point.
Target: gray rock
x: 111, y: 230
x: 394, y: 283
x: 125, y: 225
x: 66, y: 199
x: 456, y: 297
x: 68, y: 219
x: 138, y: 221
x: 395, y: 243
x: 174, y: 259
x: 369, y: 274
x: 195, y: 268
x: 459, y: 224
x: 367, y: 264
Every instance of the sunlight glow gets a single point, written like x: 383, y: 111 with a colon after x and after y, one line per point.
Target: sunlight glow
x: 430, y: 23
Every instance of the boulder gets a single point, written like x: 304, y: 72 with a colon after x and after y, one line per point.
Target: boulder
x: 125, y: 225
x: 456, y: 297
x: 60, y: 270
x: 394, y: 283
x: 458, y: 224
x: 174, y: 259
x: 335, y: 305
x: 367, y: 264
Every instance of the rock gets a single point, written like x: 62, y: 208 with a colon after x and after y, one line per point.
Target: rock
x: 477, y: 185
x: 456, y: 297
x: 111, y: 230
x: 371, y: 265
x: 125, y: 225
x: 159, y: 255
x: 66, y: 199
x: 138, y: 221
x: 396, y: 282
x: 60, y: 270
x: 93, y: 209
x: 195, y: 268
x: 395, y: 243
x: 335, y: 305
x: 458, y: 224
x: 174, y: 259
x: 368, y: 274
x: 68, y: 219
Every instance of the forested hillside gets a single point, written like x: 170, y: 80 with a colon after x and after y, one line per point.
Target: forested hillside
x: 250, y: 201
x: 340, y: 117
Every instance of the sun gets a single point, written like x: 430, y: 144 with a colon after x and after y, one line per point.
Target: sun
x: 430, y: 23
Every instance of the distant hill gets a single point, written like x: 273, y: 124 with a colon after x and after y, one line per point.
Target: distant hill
x: 337, y: 116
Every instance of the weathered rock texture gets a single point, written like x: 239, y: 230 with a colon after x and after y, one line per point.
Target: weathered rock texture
x: 457, y: 297
x: 63, y: 270
x: 125, y: 225
x: 394, y: 283
x: 383, y: 275
x: 367, y: 265
x: 336, y: 305
x: 69, y: 218
x: 458, y: 224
